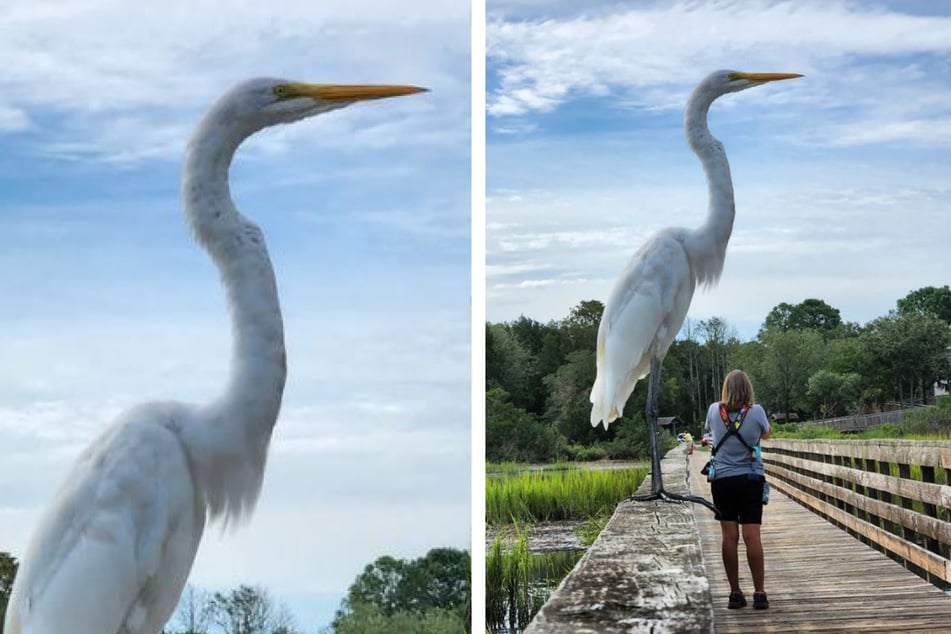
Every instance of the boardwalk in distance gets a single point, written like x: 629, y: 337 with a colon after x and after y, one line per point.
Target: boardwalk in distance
x: 818, y: 577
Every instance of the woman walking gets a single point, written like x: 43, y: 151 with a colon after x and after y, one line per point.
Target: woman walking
x: 737, y: 481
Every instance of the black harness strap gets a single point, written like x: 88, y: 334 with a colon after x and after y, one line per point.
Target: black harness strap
x: 732, y: 428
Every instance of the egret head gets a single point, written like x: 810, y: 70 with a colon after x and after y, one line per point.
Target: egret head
x: 724, y: 81
x: 263, y: 102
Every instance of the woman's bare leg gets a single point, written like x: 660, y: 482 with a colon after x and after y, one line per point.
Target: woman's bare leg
x: 754, y: 555
x: 729, y: 548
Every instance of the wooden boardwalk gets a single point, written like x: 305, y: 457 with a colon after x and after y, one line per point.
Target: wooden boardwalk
x: 818, y: 578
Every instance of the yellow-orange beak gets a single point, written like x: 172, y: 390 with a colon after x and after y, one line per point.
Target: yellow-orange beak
x: 761, y: 77
x: 344, y: 92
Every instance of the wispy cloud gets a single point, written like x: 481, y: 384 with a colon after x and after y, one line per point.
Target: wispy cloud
x: 127, y: 86
x: 647, y: 56
x: 586, y: 156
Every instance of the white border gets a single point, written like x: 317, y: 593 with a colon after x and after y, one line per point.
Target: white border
x: 478, y: 315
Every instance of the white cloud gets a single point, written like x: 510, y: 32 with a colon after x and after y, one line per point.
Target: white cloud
x: 922, y: 132
x: 649, y: 55
x: 13, y: 119
x: 791, y: 241
x: 840, y: 189
x: 131, y: 79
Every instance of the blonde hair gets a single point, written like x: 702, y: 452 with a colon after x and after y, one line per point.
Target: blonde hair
x: 737, y: 391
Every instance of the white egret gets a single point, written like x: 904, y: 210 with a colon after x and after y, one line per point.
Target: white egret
x: 112, y: 552
x: 650, y: 299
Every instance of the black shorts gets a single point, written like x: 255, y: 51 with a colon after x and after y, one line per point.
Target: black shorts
x: 739, y: 499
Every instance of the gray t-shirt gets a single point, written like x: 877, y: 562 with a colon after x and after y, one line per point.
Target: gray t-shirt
x: 733, y: 458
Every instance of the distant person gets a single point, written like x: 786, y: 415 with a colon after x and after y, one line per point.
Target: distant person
x: 737, y: 481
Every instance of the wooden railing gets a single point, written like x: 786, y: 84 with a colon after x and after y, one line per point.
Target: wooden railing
x: 859, y: 422
x: 891, y: 494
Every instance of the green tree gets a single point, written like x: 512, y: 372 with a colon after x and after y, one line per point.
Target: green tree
x: 908, y: 353
x: 810, y: 314
x: 719, y: 338
x: 8, y: 572
x: 440, y: 579
x: 929, y: 300
x: 833, y: 394
x: 581, y: 325
x: 508, y: 365
x: 789, y: 358
x: 569, y: 406
x: 249, y: 610
x: 379, y: 584
x: 426, y: 594
x: 512, y: 434
x: 369, y: 619
x: 194, y: 613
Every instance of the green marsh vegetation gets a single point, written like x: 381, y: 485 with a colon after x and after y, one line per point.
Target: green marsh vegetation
x: 572, y: 494
x: 923, y: 423
x: 518, y: 582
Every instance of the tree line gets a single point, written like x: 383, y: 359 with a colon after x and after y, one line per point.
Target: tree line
x: 427, y: 595
x: 805, y: 362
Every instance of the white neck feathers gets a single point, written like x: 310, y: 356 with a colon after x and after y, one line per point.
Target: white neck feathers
x: 228, y: 444
x: 707, y: 243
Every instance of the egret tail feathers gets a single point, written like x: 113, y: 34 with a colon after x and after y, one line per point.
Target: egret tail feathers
x: 603, y: 409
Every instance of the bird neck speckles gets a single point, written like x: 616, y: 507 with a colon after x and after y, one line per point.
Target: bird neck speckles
x: 205, y: 191
x: 249, y: 405
x: 708, y: 242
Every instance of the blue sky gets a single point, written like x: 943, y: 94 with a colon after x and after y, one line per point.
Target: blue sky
x: 840, y: 177
x: 108, y: 302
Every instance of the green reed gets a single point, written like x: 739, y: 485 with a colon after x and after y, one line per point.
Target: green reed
x: 518, y: 583
x: 562, y: 495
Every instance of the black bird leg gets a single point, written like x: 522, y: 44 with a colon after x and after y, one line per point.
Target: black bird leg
x: 657, y: 478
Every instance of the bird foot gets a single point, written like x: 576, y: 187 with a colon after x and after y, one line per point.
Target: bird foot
x: 674, y: 498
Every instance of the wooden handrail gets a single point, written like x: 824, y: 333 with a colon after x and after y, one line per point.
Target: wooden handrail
x: 851, y: 483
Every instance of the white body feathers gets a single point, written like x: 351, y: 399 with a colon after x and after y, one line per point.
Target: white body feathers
x: 649, y: 302
x: 641, y: 318
x: 113, y: 552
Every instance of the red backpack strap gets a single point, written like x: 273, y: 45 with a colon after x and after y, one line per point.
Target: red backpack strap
x: 733, y: 424
x: 724, y: 416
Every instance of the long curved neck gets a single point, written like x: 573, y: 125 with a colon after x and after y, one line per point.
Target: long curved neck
x: 230, y: 447
x: 708, y: 242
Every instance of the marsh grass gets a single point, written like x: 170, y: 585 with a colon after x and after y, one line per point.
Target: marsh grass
x: 885, y: 431
x: 514, y: 468
x: 541, y: 496
x: 518, y: 583
x: 593, y: 527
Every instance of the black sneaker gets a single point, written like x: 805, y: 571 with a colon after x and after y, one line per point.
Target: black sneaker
x: 760, y: 602
x: 737, y: 600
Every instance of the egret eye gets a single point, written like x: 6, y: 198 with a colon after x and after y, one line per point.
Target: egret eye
x: 282, y: 92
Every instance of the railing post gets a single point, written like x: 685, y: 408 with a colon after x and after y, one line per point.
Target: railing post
x: 931, y: 510
x: 884, y: 468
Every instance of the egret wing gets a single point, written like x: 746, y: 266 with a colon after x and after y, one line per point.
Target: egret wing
x: 642, y: 316
x: 112, y: 553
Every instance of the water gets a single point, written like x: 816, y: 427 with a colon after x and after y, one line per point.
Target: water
x: 543, y: 537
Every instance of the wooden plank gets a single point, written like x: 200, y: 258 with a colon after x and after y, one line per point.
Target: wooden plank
x: 935, y: 453
x: 928, y: 526
x: 922, y: 491
x: 819, y: 578
x: 913, y: 553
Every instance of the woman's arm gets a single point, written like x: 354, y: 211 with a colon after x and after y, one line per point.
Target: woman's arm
x: 764, y: 424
